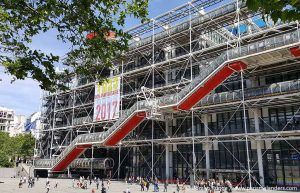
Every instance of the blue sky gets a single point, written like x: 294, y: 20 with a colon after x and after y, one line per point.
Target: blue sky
x: 24, y: 95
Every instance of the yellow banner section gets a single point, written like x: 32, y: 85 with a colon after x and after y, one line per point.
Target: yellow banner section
x: 108, y: 87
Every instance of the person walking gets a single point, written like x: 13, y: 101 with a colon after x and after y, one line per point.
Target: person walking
x: 47, y: 181
x: 20, y: 183
x: 183, y: 188
x: 29, y: 183
x: 108, y: 184
x: 48, y: 188
x: 147, y: 185
x: 97, y: 184
x: 142, y: 185
x: 166, y: 186
x: 56, y: 184
x: 177, y: 187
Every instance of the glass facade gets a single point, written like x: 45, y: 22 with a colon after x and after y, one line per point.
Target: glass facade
x: 227, y: 158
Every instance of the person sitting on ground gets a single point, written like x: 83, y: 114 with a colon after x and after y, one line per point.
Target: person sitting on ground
x: 127, y: 190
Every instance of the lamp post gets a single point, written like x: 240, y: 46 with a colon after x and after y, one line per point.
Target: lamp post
x: 30, y: 166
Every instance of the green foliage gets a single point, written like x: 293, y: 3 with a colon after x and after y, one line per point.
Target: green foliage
x: 285, y: 10
x: 15, y: 147
x: 21, y: 20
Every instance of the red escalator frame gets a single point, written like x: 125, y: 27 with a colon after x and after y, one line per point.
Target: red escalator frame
x: 127, y: 127
x: 63, y: 164
x: 211, y: 84
x: 295, y: 51
x: 133, y: 122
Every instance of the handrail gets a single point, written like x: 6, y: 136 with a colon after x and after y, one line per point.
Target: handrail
x: 97, y: 163
x: 250, y: 93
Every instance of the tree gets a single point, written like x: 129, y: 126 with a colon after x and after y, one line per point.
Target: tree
x: 285, y: 10
x: 4, y: 145
x: 20, y: 146
x: 21, y: 20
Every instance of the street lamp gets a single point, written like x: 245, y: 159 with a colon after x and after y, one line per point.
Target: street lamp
x: 30, y: 166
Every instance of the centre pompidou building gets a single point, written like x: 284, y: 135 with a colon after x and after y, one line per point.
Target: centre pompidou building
x: 209, y: 89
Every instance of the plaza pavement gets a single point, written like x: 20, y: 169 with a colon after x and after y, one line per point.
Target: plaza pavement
x: 10, y: 185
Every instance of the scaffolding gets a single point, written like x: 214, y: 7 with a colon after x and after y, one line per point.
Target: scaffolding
x: 174, y: 71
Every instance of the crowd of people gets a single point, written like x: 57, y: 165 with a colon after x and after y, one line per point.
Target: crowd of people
x: 23, y: 180
x: 210, y: 185
x: 145, y: 184
x: 82, y: 183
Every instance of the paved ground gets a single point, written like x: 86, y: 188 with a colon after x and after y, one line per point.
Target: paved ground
x: 65, y: 186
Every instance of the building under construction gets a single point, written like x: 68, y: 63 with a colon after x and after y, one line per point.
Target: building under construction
x: 209, y: 89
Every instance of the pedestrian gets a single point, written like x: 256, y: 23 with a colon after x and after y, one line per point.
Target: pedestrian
x: 97, y: 184
x: 142, y: 185
x: 183, y: 188
x: 85, y: 184
x: 32, y: 182
x: 73, y: 183
x: 166, y: 186
x: 147, y: 185
x: 48, y: 188
x: 20, y: 183
x: 108, y: 183
x: 177, y: 187
x: 47, y: 181
x: 103, y: 189
x: 56, y: 184
x: 29, y: 183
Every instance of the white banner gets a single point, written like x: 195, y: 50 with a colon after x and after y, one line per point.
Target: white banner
x: 107, y: 100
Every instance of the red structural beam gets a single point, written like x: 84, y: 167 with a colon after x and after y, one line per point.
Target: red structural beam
x: 63, y: 164
x: 211, y: 84
x: 126, y: 128
x: 110, y: 35
x: 295, y: 51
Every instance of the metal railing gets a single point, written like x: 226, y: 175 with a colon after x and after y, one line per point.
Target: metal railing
x: 252, y: 93
x: 208, y: 17
x: 97, y: 163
